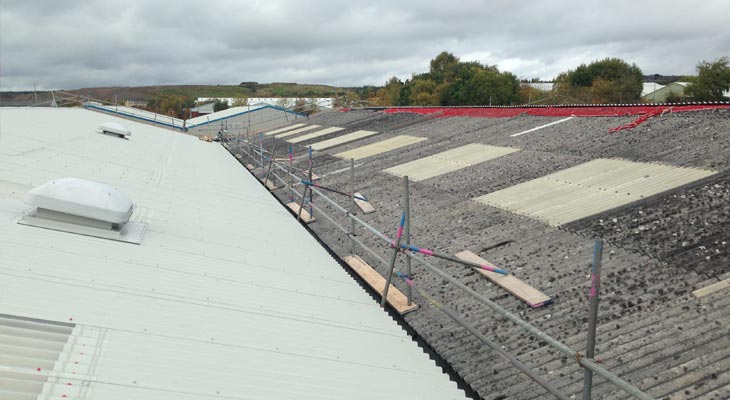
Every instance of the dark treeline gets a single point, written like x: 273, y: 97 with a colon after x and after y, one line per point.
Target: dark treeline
x: 452, y: 82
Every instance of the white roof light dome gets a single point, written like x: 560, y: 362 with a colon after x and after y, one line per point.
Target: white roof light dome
x: 115, y: 128
x: 82, y: 198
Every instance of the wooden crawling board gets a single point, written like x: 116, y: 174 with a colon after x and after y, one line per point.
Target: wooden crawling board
x: 533, y: 297
x: 396, y: 298
x: 270, y: 184
x: 715, y: 287
x: 306, y: 217
x: 365, y: 206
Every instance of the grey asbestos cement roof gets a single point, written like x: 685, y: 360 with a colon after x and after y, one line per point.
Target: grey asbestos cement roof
x: 659, y: 248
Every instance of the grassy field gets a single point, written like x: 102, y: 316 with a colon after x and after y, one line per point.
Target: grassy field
x: 146, y: 93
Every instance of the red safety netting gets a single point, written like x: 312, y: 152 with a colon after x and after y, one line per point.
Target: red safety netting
x: 596, y: 111
x: 633, y: 124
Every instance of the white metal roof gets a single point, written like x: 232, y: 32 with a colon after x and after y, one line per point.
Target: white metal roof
x: 176, y: 123
x: 227, y: 113
x: 650, y: 87
x: 227, y: 296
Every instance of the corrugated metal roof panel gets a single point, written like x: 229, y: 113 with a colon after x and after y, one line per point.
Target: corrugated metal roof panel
x: 226, y: 296
x: 30, y: 346
x: 589, y: 189
x: 350, y: 137
x: 316, y: 134
x: 380, y: 147
x: 449, y: 161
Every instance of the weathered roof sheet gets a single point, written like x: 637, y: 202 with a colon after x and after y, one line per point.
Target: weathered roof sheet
x: 653, y: 331
x: 225, y: 297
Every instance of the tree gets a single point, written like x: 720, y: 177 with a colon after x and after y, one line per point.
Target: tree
x: 240, y: 102
x: 312, y: 106
x: 300, y: 106
x: 424, y: 93
x: 283, y: 103
x: 174, y: 105
x: 389, y: 95
x: 443, y: 67
x: 220, y: 105
x: 673, y: 97
x: 713, y: 79
x: 450, y: 82
x: 475, y: 84
x: 529, y: 94
x: 610, y: 80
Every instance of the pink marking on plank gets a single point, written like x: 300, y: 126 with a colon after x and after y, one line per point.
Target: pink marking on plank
x: 594, y: 285
x: 400, y: 232
x: 487, y: 267
x: 426, y: 251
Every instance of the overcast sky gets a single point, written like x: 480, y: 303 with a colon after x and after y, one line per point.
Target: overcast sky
x: 74, y: 44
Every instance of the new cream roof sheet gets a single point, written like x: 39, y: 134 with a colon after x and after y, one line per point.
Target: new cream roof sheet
x: 316, y: 134
x: 295, y: 131
x: 350, y: 137
x: 591, y: 188
x: 380, y: 147
x: 284, y: 129
x: 449, y: 161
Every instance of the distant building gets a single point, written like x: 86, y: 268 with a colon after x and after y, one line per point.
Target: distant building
x: 203, y: 109
x: 321, y: 102
x: 656, y: 93
x: 134, y: 103
x: 544, y: 86
x: 246, y: 119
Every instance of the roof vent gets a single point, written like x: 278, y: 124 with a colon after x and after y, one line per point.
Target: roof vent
x: 115, y: 129
x: 84, y: 207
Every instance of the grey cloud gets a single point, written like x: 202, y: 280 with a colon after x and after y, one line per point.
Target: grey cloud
x: 70, y: 44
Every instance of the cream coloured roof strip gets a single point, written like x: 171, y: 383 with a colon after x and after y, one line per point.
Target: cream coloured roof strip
x: 449, y: 161
x: 295, y: 131
x: 591, y: 188
x: 380, y: 147
x: 315, y: 134
x: 350, y: 137
x: 284, y: 129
